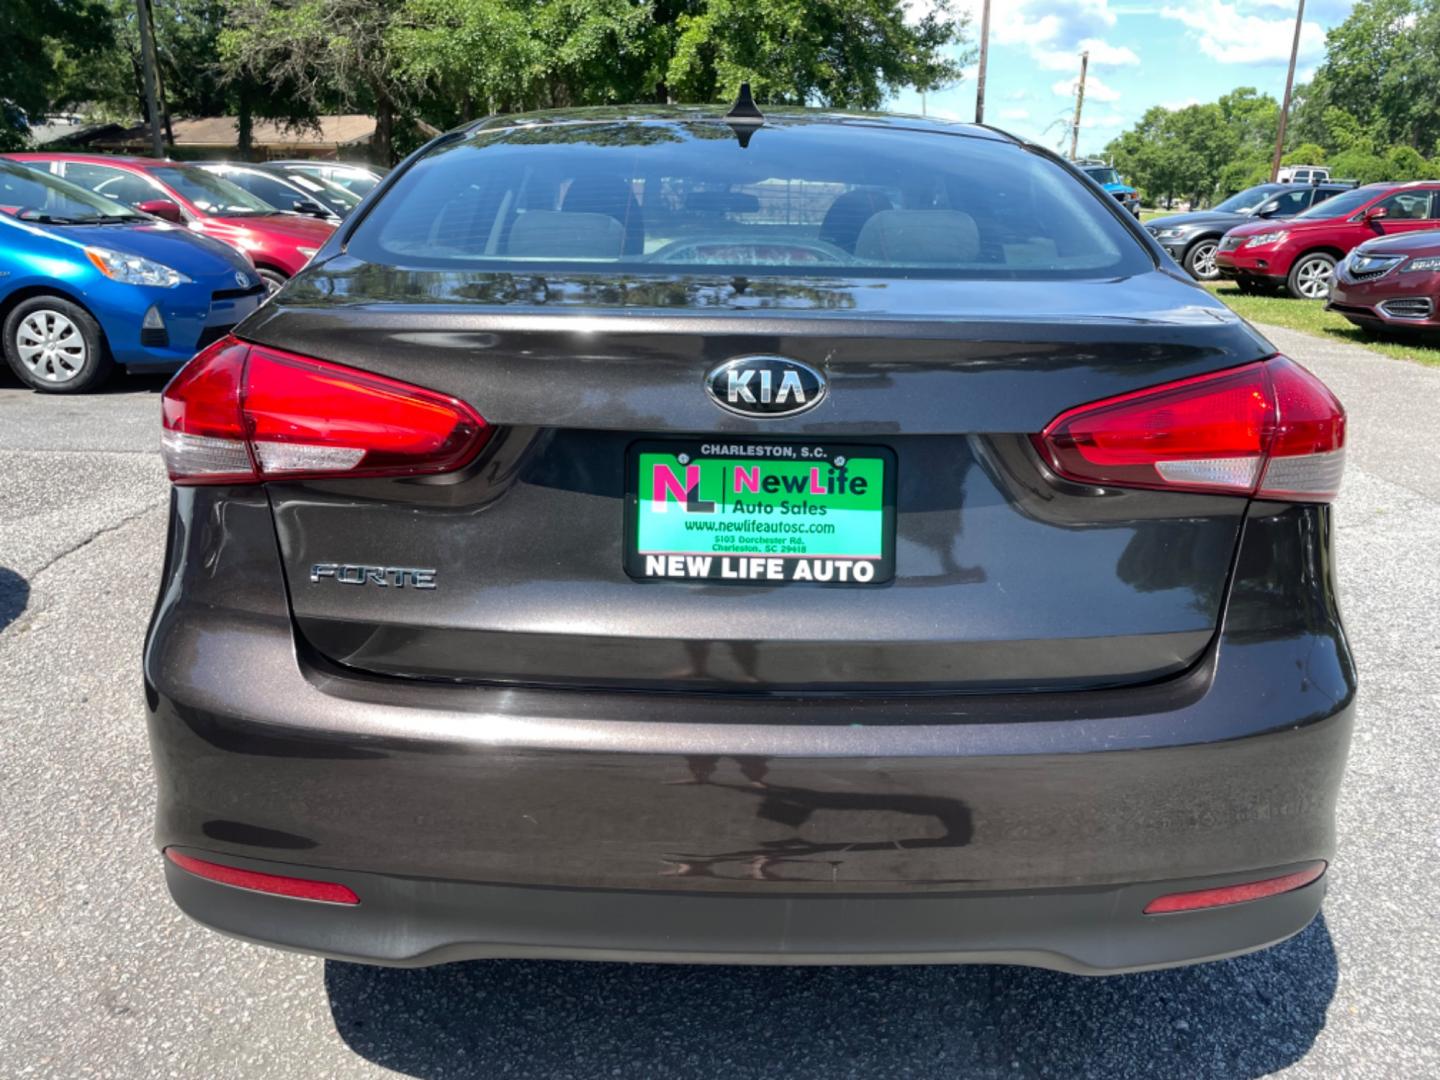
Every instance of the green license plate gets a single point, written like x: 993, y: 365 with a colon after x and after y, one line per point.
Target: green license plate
x: 748, y: 512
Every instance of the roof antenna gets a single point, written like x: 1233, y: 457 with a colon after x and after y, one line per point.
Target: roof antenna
x: 744, y: 116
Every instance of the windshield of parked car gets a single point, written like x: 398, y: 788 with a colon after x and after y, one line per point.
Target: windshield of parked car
x: 37, y: 196
x: 812, y: 198
x: 211, y: 194
x: 1248, y: 200
x: 329, y: 195
x: 1104, y: 176
x: 1340, y: 206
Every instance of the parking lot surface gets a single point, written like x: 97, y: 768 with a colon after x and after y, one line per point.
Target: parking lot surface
x: 101, y: 976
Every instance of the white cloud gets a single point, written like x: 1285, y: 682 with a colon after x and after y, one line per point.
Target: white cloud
x: 1055, y: 32
x: 1101, y: 52
x: 1231, y: 33
x: 1182, y: 103
x: 1095, y: 89
x: 1014, y: 114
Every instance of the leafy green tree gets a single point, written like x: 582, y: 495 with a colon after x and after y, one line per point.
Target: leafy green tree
x: 1407, y: 163
x: 1382, y: 65
x: 331, y: 53
x: 1359, y: 164
x: 1305, y: 154
x: 30, y: 69
x: 848, y: 53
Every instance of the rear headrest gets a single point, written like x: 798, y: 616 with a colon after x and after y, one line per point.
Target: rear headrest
x: 608, y: 195
x: 919, y: 237
x: 558, y: 234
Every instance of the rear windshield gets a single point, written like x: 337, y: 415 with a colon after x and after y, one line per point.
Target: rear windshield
x: 817, y: 199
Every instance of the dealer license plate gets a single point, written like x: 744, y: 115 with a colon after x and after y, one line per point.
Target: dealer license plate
x: 750, y: 512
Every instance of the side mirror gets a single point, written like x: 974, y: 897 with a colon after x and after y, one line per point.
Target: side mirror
x: 310, y: 207
x: 1375, y: 213
x: 161, y: 208
x: 1268, y: 210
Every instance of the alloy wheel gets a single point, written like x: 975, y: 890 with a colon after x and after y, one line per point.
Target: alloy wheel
x: 1314, y: 277
x: 1203, y: 261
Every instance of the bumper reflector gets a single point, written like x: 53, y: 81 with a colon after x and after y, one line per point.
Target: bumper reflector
x: 329, y: 892
x: 1235, y: 894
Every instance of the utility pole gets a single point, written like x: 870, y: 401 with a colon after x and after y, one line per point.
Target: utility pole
x: 1289, y: 85
x: 984, y: 56
x: 150, y: 69
x: 1079, y: 104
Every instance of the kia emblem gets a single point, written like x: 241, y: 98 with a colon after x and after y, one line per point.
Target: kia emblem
x: 765, y: 387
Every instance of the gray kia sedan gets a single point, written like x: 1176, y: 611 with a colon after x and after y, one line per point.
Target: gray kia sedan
x: 672, y: 534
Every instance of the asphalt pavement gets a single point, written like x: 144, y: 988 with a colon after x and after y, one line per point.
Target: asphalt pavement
x: 101, y: 976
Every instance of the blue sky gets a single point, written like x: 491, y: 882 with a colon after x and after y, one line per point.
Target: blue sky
x: 1166, y: 52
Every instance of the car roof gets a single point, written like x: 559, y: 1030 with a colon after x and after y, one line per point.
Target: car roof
x: 131, y: 160
x: 788, y: 115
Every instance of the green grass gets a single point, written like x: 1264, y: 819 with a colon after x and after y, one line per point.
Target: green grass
x: 1146, y: 215
x: 1311, y: 317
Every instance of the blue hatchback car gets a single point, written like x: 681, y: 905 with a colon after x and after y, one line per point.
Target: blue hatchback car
x: 86, y: 284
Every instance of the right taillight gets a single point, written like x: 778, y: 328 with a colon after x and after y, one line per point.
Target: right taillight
x: 241, y: 413
x: 1269, y: 429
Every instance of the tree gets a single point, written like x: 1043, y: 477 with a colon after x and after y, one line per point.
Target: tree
x: 847, y: 54
x: 330, y: 52
x: 1382, y: 66
x: 30, y: 68
x: 1305, y: 154
x: 1362, y: 165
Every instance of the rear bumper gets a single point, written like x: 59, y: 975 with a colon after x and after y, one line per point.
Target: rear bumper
x: 489, y: 821
x: 408, y: 922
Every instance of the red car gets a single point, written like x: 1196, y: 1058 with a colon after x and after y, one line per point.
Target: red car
x: 1391, y: 284
x: 277, y: 242
x: 1299, y: 255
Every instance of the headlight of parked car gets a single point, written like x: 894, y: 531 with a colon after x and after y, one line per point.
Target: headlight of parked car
x: 134, y: 269
x: 1430, y: 264
x: 1171, y: 234
x: 1265, y: 238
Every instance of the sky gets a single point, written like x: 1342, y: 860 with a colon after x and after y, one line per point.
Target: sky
x: 1142, y: 53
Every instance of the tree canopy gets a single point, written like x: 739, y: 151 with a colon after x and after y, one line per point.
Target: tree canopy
x: 444, y: 61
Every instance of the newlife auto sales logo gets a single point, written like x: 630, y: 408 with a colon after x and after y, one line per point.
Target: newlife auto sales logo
x: 761, y: 512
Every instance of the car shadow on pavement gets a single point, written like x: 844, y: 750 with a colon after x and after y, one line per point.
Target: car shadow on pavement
x: 14, y: 596
x: 1238, y: 1018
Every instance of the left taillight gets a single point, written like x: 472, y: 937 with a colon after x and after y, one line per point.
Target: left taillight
x: 1269, y: 429
x: 241, y: 413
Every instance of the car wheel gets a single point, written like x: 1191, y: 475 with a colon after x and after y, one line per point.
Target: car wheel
x: 56, y: 347
x: 1200, y: 260
x: 1311, y: 277
x: 273, y: 279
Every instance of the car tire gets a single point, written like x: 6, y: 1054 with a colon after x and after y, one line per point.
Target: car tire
x: 56, y: 347
x: 1312, y: 276
x: 274, y: 280
x: 1200, y: 260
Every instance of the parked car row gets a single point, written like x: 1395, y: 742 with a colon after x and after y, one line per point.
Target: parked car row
x: 1372, y: 252
x: 140, y: 262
